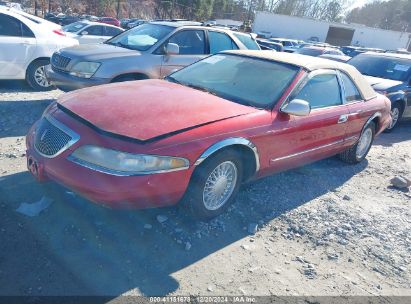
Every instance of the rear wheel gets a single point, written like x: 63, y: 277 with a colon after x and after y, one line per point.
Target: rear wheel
x: 36, y: 75
x: 359, y: 151
x: 214, y: 185
x: 395, y: 116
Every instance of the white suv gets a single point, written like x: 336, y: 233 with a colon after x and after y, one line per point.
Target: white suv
x: 26, y: 45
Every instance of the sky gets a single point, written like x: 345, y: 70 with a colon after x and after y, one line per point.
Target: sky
x: 358, y: 3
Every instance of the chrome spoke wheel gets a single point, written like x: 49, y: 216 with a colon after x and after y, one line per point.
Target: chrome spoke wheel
x: 395, y: 115
x: 364, y: 143
x: 220, y: 185
x: 40, y: 77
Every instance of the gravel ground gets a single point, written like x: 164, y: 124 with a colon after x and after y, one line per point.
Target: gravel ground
x: 323, y: 229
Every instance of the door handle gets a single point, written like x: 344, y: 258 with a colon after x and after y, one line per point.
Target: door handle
x: 343, y: 119
x: 27, y: 42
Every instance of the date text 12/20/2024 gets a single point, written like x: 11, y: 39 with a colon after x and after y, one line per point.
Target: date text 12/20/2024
x: 202, y: 299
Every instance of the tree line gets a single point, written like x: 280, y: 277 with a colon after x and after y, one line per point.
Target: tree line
x: 243, y: 10
x: 392, y: 14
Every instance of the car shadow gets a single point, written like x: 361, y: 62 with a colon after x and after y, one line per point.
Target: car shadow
x: 401, y: 133
x: 18, y: 116
x: 10, y: 86
x: 75, y: 247
x: 15, y: 86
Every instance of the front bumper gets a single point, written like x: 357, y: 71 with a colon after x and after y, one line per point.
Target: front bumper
x: 66, y: 82
x: 145, y: 191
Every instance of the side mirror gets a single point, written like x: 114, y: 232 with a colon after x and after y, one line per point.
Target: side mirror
x: 83, y: 33
x: 172, y: 49
x: 297, y: 107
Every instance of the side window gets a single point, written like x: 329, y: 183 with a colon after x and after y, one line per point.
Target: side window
x: 95, y: 30
x: 351, y: 91
x: 26, y: 32
x: 9, y: 26
x: 111, y: 31
x: 220, y: 42
x: 191, y: 42
x: 321, y: 91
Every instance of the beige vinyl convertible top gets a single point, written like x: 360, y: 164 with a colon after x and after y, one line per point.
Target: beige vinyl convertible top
x: 313, y: 63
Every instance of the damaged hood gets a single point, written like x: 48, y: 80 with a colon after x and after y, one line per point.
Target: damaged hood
x: 147, y: 109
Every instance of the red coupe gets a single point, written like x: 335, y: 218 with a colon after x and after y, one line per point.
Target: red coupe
x: 197, y: 135
x: 109, y: 20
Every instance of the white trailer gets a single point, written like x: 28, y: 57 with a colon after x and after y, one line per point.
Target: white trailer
x: 330, y: 32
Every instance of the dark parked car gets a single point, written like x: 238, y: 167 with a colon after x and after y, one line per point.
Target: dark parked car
x: 353, y: 51
x: 124, y: 22
x: 69, y: 19
x: 51, y: 17
x: 339, y: 58
x: 289, y: 45
x: 390, y: 75
x: 135, y: 22
x: 62, y: 20
x: 266, y: 44
x: 316, y: 51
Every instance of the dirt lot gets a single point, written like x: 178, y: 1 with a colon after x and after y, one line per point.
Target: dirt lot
x: 324, y: 229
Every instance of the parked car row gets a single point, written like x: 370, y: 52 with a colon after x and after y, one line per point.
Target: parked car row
x: 64, y: 19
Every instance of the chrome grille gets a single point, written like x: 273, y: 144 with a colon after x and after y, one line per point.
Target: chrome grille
x: 52, y: 137
x: 60, y: 62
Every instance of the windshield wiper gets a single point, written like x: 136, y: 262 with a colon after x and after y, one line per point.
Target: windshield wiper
x: 120, y: 44
x: 193, y: 86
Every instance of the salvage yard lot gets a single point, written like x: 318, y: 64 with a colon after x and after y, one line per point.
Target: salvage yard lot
x: 325, y: 229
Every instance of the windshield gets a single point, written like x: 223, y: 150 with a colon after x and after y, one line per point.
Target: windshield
x: 239, y: 79
x: 74, y: 27
x: 382, y: 66
x: 141, y: 38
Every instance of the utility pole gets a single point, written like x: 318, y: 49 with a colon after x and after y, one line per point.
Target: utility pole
x: 172, y: 9
x: 35, y: 7
x: 118, y: 8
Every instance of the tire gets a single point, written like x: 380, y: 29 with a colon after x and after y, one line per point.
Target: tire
x: 396, y: 113
x: 359, y: 151
x: 36, y: 77
x: 200, y: 205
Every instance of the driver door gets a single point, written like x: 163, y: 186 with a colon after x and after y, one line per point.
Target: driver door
x: 321, y: 133
x: 192, y: 47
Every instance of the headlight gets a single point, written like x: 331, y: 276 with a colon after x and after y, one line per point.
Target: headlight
x: 84, y: 69
x: 123, y: 163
